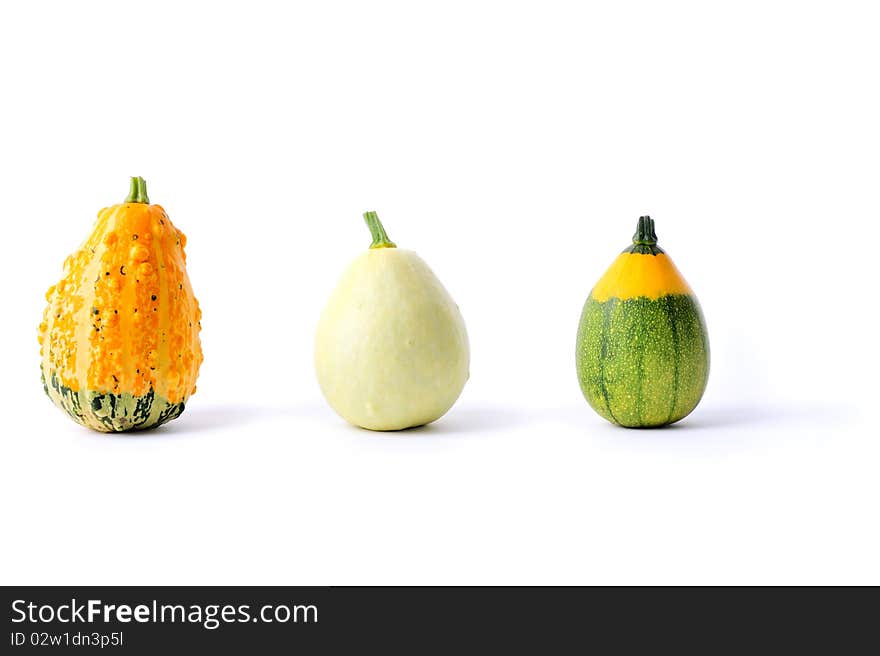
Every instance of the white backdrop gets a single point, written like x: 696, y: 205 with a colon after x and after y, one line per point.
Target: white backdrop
x: 513, y: 145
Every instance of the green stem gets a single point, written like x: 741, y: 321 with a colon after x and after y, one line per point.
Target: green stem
x: 380, y: 239
x: 138, y: 191
x: 645, y: 239
x: 645, y: 232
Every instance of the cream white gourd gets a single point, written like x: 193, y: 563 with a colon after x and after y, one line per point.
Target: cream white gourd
x: 391, y: 349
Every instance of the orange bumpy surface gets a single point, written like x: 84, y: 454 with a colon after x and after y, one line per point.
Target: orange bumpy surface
x: 124, y: 318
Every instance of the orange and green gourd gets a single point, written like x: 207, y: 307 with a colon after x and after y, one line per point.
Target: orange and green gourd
x: 119, y: 339
x: 642, y: 347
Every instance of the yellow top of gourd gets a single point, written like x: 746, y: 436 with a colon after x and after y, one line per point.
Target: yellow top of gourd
x: 643, y: 269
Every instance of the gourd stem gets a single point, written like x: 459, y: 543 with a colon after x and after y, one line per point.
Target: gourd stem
x: 138, y: 191
x: 645, y: 239
x: 380, y: 239
x: 645, y: 234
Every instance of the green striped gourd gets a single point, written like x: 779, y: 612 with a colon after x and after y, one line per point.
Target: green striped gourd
x: 642, y: 347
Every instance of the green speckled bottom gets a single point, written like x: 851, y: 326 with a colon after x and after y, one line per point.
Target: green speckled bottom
x: 112, y: 413
x: 643, y: 362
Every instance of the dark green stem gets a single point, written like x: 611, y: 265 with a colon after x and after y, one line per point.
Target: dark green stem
x: 380, y: 239
x: 645, y: 239
x: 138, y: 191
x: 645, y: 232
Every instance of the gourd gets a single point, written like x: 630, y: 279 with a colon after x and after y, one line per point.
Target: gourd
x: 391, y: 348
x: 119, y: 340
x: 642, y: 347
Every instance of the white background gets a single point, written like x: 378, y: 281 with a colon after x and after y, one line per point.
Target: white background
x: 513, y: 145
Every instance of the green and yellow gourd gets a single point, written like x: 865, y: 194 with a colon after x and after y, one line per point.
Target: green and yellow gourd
x: 642, y: 346
x: 119, y: 339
